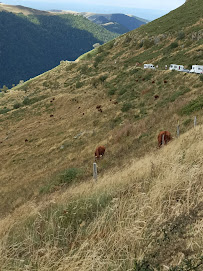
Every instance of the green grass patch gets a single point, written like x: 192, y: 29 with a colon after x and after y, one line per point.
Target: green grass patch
x: 193, y: 106
x: 173, y: 97
x: 126, y: 107
x: 67, y: 177
x: 29, y: 101
x: 4, y: 110
x: 78, y: 84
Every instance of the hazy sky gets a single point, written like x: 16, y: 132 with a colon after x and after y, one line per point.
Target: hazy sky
x: 151, y: 8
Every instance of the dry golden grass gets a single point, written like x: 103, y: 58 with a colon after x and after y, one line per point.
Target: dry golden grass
x: 156, y: 209
x: 27, y: 166
x: 136, y: 201
x: 164, y: 192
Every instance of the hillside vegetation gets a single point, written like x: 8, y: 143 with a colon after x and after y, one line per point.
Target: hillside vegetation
x: 145, y: 211
x: 174, y: 38
x: 36, y: 42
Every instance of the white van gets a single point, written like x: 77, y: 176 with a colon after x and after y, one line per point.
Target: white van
x: 176, y: 67
x: 180, y: 68
x: 149, y: 66
x: 197, y: 69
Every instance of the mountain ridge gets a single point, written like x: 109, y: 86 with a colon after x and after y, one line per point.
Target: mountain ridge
x: 117, y: 22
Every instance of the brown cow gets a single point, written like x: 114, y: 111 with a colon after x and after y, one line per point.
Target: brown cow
x: 99, y: 152
x: 166, y: 137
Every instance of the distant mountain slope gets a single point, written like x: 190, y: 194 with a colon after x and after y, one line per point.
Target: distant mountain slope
x: 33, y: 42
x: 117, y: 23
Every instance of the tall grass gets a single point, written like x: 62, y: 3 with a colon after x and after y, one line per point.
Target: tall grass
x: 146, y: 214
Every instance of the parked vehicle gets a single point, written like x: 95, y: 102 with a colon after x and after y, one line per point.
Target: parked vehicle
x: 175, y: 67
x: 185, y: 70
x: 180, y: 68
x: 149, y: 66
x: 197, y: 69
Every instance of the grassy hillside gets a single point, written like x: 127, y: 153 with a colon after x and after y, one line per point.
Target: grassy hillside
x: 34, y: 43
x: 145, y: 211
x: 173, y: 38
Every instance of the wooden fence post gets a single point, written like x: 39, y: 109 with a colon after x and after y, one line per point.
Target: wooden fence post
x: 195, y: 122
x: 178, y: 130
x: 95, y: 171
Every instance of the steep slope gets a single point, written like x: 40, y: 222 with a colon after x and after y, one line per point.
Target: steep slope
x: 173, y: 38
x: 145, y: 212
x: 38, y: 41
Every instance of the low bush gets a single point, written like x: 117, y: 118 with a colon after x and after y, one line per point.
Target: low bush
x: 181, y: 35
x: 173, y: 45
x: 102, y: 78
x: 17, y: 105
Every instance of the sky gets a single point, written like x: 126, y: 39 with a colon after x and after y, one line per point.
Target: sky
x: 147, y: 9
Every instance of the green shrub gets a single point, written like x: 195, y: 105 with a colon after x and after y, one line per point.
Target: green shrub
x: 102, y: 78
x: 17, y: 105
x: 173, y: 45
x: 69, y: 175
x: 181, y: 35
x: 78, y: 84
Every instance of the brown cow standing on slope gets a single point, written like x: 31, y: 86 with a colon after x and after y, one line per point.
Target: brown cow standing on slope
x: 166, y: 137
x: 99, y: 152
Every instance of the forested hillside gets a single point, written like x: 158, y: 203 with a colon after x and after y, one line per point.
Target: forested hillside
x: 118, y: 23
x: 33, y: 44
